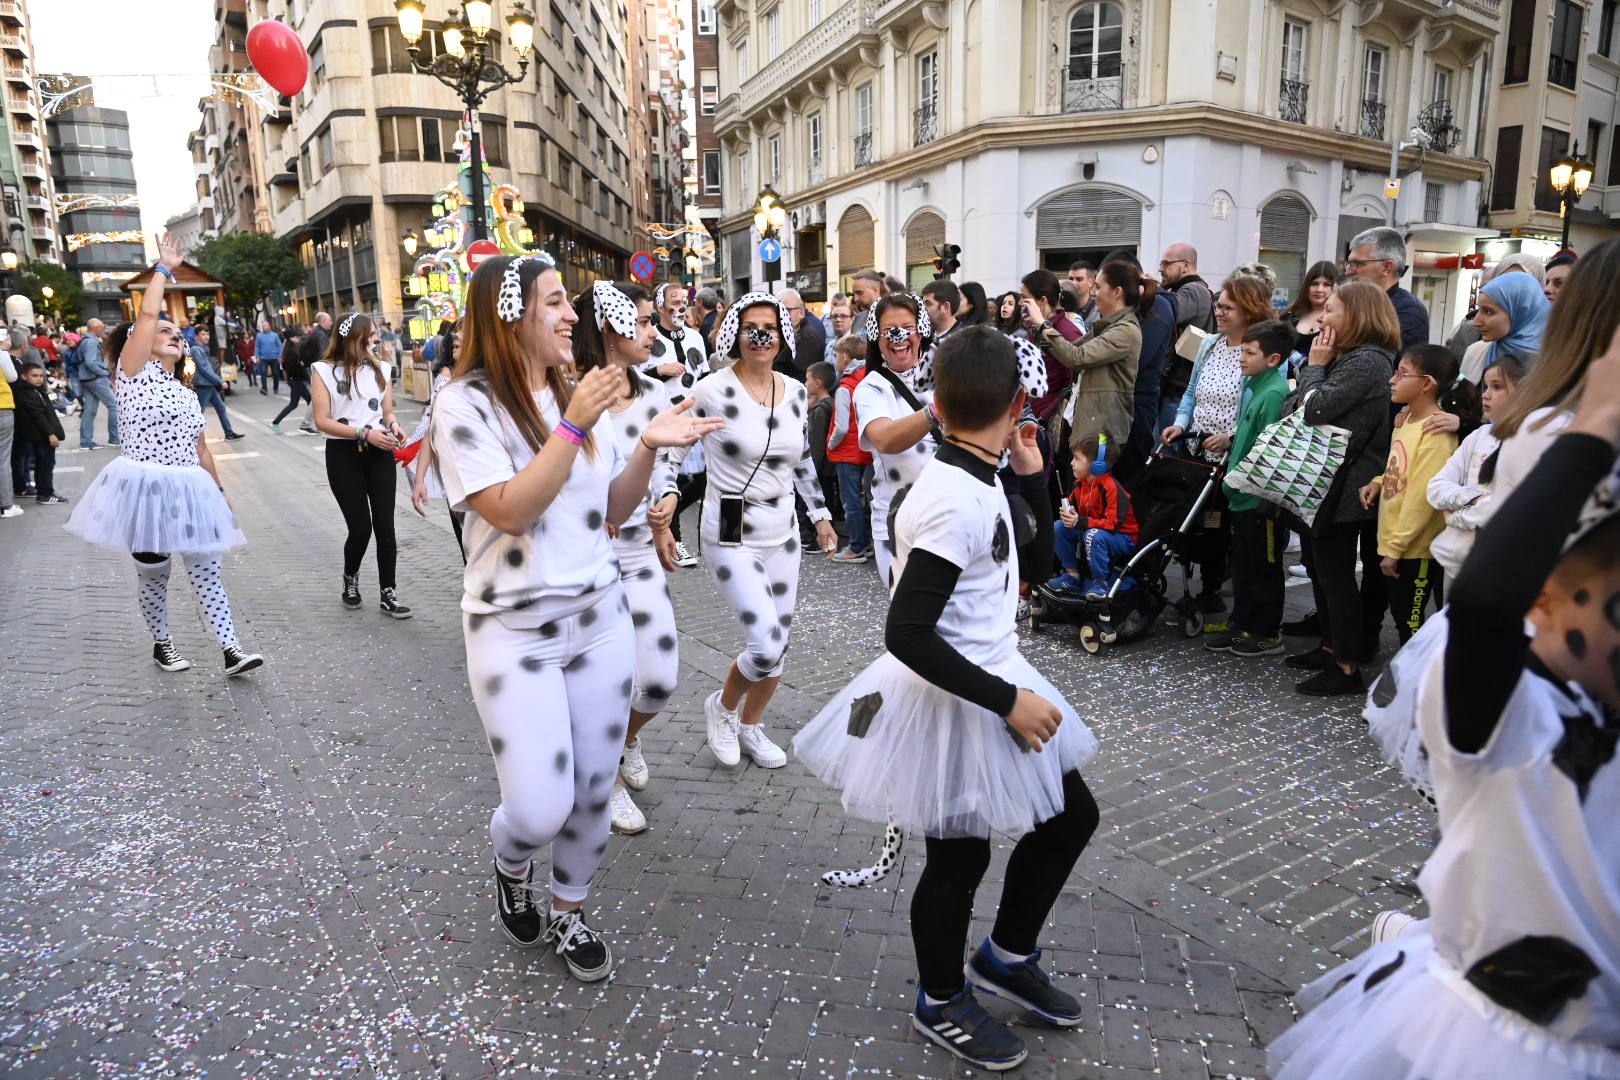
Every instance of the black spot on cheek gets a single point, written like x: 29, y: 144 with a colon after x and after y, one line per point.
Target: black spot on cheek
x: 1575, y: 642
x: 1582, y: 597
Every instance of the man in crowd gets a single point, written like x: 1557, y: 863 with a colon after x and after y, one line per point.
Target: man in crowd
x: 95, y: 383
x: 1195, y: 306
x: 704, y: 305
x: 940, y: 299
x: 839, y: 320
x: 1082, y: 275
x: 1379, y: 256
x: 310, y: 350
x: 206, y: 381
x: 1559, y: 268
x: 267, y: 356
x: 867, y: 289
x: 811, y: 341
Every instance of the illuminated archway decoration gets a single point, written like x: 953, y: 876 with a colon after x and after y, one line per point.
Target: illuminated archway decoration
x: 75, y: 241
x: 68, y: 202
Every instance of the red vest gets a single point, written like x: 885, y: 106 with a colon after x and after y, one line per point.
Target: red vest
x: 849, y: 451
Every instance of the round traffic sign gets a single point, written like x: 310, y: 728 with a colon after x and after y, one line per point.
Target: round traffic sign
x: 769, y: 251
x: 479, y: 250
x: 642, y: 266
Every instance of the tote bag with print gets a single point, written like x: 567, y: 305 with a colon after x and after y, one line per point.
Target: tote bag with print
x: 1292, y: 464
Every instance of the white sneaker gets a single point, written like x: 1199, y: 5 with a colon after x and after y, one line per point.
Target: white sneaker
x: 1389, y: 925
x: 722, y: 725
x: 627, y: 816
x: 11, y: 511
x: 1298, y: 570
x: 683, y: 557
x: 758, y: 745
x: 633, y: 768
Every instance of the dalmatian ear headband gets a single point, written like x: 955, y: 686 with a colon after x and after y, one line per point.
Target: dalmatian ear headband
x: 727, y: 337
x: 614, y: 309
x: 1031, y: 368
x: 897, y: 335
x: 509, y: 305
x: 347, y: 324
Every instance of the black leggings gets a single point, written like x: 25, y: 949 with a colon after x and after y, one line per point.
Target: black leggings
x: 691, y: 486
x: 1418, y: 582
x: 297, y: 389
x: 942, y: 903
x: 362, y: 480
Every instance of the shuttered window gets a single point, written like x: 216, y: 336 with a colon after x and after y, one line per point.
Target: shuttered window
x: 1093, y: 218
x: 922, y: 232
x: 1285, y: 238
x: 856, y: 242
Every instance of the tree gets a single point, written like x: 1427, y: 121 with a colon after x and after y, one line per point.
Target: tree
x: 251, y: 266
x: 67, y: 289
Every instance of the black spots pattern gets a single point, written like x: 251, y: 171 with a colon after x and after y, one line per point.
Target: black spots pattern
x: 560, y: 762
x: 894, y: 512
x: 1575, y: 642
x: 1584, y: 749
x: 676, y: 399
x: 1534, y: 976
x: 776, y: 634
x: 686, y: 380
x: 797, y: 411
x: 1582, y: 597
x: 496, y: 745
x: 861, y: 713
x: 894, y: 475
x: 476, y: 622
x: 779, y: 588
x: 729, y: 391
x: 749, y: 618
x: 561, y: 875
x: 548, y: 629
x: 646, y: 573
x: 593, y: 520
x: 723, y: 573
x: 1384, y: 972
x: 772, y: 422
x: 487, y: 594
x: 514, y: 558
x: 627, y: 686
x: 631, y: 431
x: 532, y: 664
x: 731, y: 412
x: 598, y: 806
x: 775, y: 461
x: 569, y: 833
x: 587, y: 617
x: 730, y: 448
x: 638, y: 619
x: 372, y: 403
x: 654, y: 692
x: 786, y: 619
x: 493, y: 686
x: 791, y: 545
x: 577, y: 663
x: 666, y: 643
x: 659, y: 348
x: 1000, y: 541
x: 615, y: 732
x: 461, y: 433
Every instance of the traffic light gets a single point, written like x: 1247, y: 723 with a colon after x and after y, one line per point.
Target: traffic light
x: 947, y: 260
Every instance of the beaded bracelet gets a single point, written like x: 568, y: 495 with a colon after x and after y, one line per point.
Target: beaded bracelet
x: 570, y: 432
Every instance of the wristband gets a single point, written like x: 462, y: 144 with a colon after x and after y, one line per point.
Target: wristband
x: 643, y: 441
x: 361, y: 438
x: 570, y: 432
x: 933, y: 413
x: 164, y: 270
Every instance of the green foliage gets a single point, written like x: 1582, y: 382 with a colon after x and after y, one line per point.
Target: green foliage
x: 251, y: 266
x: 67, y: 300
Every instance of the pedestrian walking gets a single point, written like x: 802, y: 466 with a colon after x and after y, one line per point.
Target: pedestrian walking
x: 294, y: 365
x: 95, y: 383
x: 536, y: 466
x: 267, y: 350
x: 206, y: 382
x: 354, y: 409
x: 163, y: 496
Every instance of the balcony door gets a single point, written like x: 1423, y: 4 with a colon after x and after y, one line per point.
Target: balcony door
x: 1093, y: 79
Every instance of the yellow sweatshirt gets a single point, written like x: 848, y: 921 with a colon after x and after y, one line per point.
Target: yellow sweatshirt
x: 1407, y: 524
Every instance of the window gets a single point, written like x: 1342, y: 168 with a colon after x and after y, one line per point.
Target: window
x: 1509, y: 144
x: 711, y: 172
x: 708, y: 91
x: 1594, y: 139
x: 305, y: 168
x: 317, y: 67
x: 545, y: 153
x: 1434, y: 197
x: 559, y: 94
x: 773, y: 148
x: 770, y: 24
x: 388, y: 51
x: 580, y: 61
x: 863, y: 109
x: 814, y: 15
x: 1613, y: 175
x: 1374, y: 65
x: 1095, y: 42
x: 439, y: 139
x: 1554, y: 145
x: 1522, y: 27
x: 557, y: 24
x: 493, y: 134
x: 707, y: 23
x: 928, y: 80
x: 582, y: 121
x: 397, y: 134
x: 1606, y: 28
x: 814, y: 125
x: 1296, y: 35
x: 1564, y: 53
x: 1442, y: 85
x: 565, y: 174
x: 742, y: 61
x: 327, y: 149
x: 742, y: 171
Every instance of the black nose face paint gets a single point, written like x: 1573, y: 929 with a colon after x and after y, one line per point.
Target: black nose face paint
x: 761, y: 338
x: 897, y: 335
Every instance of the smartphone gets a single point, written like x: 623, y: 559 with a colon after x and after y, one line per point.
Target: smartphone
x: 731, y: 519
x: 1065, y: 508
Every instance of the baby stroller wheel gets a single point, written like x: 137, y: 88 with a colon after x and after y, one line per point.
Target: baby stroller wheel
x: 1108, y: 635
x: 1192, y: 624
x: 1091, y: 638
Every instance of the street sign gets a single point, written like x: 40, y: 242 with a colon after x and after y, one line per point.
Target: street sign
x: 769, y: 251
x: 1392, y: 188
x: 479, y: 250
x: 642, y: 266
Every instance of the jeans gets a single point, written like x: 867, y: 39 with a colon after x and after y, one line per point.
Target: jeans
x: 1102, y: 549
x: 855, y: 514
x: 1334, y: 550
x: 1257, y: 573
x: 296, y: 389
x: 269, y: 369
x: 1168, y: 404
x: 96, y: 394
x: 210, y: 396
x: 40, y: 457
x: 9, y: 458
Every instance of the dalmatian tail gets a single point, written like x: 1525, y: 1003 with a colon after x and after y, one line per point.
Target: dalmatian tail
x: 871, y: 875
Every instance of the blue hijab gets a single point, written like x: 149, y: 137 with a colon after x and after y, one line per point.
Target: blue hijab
x: 1527, y: 306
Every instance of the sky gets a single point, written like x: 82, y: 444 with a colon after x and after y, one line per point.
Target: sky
x: 164, y: 41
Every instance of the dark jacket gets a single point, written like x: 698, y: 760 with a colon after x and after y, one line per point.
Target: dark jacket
x: 1413, y: 315
x: 819, y: 422
x: 36, y: 420
x: 1105, y: 361
x: 811, y: 345
x: 1352, y: 392
x: 1195, y: 306
x: 310, y: 352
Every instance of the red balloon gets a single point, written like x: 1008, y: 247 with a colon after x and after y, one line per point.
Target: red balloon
x: 277, y: 54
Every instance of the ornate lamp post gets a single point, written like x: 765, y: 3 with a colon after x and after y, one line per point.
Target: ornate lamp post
x: 770, y: 216
x: 1570, y: 177
x: 468, y: 67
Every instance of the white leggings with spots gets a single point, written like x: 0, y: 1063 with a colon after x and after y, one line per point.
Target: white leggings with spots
x: 658, y: 659
x: 554, y: 699
x: 152, y: 576
x: 760, y: 585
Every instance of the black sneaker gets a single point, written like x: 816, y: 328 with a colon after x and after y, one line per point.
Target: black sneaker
x: 1309, y: 626
x: 351, y: 591
x: 582, y: 949
x: 520, y: 919
x: 1331, y: 683
x: 392, y: 607
x: 233, y: 436
x: 1024, y: 984
x: 1317, y: 659
x: 167, y: 657
x: 963, y: 1028
x: 238, y: 662
x: 1247, y: 644
x: 1220, y: 642
x: 53, y: 500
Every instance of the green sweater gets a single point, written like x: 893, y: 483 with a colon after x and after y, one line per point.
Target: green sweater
x: 1261, y: 406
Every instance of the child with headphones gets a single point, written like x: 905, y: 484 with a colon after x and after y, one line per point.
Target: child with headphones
x: 1098, y: 520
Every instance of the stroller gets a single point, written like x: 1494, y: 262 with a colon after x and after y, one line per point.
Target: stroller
x: 1170, y: 497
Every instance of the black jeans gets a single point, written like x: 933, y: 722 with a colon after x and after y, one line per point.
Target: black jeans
x: 1419, y: 581
x: 297, y: 388
x: 42, y: 457
x: 1339, y: 603
x: 1257, y: 572
x: 362, y: 480
x: 691, y: 487
x: 942, y: 903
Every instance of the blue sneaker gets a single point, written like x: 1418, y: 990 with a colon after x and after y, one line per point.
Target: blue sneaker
x: 963, y: 1028
x: 1065, y: 584
x: 1024, y: 984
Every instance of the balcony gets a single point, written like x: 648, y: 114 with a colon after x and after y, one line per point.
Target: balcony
x: 1098, y: 94
x: 835, y: 36
x: 1439, y: 124
x: 925, y: 126
x: 13, y: 43
x: 1372, y: 118
x: 232, y: 12
x: 43, y: 234
x: 27, y: 138
x: 38, y: 202
x: 11, y: 11
x: 18, y: 73
x: 1291, y: 103
x: 865, y: 153
x: 22, y: 105
x: 34, y: 170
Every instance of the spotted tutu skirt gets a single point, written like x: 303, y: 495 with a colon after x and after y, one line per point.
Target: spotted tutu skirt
x: 1392, y: 704
x: 1400, y: 1012
x: 903, y: 750
x: 168, y: 509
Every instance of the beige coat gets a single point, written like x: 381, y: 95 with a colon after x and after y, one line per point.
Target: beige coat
x: 1104, y: 363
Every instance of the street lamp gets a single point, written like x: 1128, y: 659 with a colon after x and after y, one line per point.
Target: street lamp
x: 468, y: 67
x: 770, y: 216
x: 410, y: 243
x: 1570, y: 177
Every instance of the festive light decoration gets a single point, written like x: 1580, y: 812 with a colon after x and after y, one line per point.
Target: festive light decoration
x: 117, y: 277
x: 79, y: 240
x: 694, y: 238
x: 68, y: 202
x: 59, y: 93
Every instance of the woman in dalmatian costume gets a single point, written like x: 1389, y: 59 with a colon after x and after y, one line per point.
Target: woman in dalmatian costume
x: 536, y: 464
x: 750, y: 538
x: 680, y: 359
x: 616, y: 331
x: 162, y: 495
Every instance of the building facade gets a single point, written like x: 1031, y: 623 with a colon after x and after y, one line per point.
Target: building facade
x: 29, y: 194
x: 93, y: 172
x: 1035, y: 134
x: 705, y: 183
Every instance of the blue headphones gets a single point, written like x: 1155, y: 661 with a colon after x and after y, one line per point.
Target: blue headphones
x: 1100, y: 466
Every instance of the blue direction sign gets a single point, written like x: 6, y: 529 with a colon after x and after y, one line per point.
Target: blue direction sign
x: 769, y: 251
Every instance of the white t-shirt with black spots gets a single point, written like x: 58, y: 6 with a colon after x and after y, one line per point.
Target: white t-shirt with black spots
x: 756, y: 434
x: 683, y: 347
x: 628, y: 426
x: 159, y: 419
x: 358, y: 403
x: 1220, y: 391
x: 565, y: 557
x: 877, y: 398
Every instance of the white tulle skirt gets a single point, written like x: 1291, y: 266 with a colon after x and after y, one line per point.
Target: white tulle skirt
x: 901, y: 749
x: 1399, y: 1012
x: 1392, y: 704
x: 168, y: 509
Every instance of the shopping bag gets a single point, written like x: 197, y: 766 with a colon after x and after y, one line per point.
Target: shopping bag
x: 1292, y: 464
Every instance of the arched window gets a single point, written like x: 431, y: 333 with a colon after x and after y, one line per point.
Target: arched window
x: 856, y: 243
x: 1285, y: 237
x: 922, y: 232
x: 1096, y: 41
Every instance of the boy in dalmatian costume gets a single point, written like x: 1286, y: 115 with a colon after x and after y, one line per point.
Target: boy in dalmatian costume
x: 677, y: 355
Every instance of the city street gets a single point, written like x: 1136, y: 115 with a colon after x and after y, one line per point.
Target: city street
x: 290, y: 874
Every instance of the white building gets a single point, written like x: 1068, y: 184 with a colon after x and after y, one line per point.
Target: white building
x: 1036, y: 133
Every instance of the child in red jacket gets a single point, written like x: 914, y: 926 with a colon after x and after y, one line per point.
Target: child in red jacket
x: 1097, y: 517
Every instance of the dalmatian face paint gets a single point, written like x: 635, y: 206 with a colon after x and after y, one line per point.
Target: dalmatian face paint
x: 760, y: 338
x: 899, y: 340
x: 757, y: 310
x: 671, y: 303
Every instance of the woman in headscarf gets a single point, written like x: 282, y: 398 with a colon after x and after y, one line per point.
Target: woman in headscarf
x: 1511, y: 316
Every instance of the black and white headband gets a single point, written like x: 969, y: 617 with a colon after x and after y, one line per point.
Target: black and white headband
x: 347, y: 324
x: 614, y: 309
x: 727, y: 337
x: 1031, y: 368
x: 509, y: 305
x: 897, y: 335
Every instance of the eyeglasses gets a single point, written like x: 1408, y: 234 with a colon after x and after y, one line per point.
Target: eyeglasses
x: 1224, y: 309
x: 1165, y: 264
x: 1411, y: 375
x: 1358, y: 263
